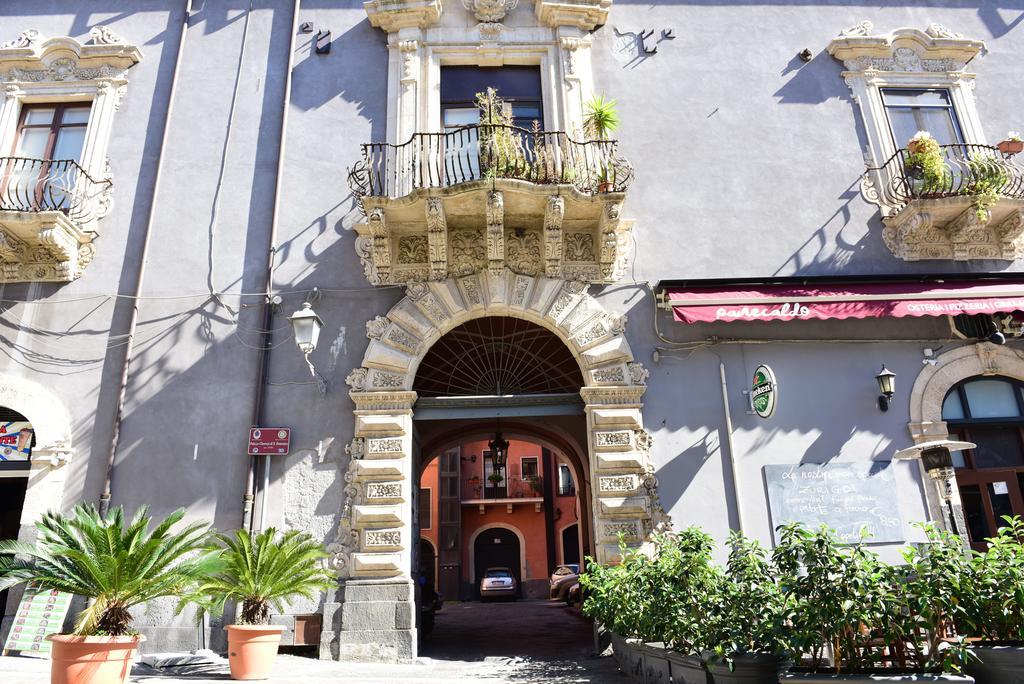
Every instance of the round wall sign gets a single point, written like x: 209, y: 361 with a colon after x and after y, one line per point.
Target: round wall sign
x: 764, y: 392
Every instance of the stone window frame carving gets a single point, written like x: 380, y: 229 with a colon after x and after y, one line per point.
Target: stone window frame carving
x: 935, y: 58
x: 558, y: 42
x: 35, y: 69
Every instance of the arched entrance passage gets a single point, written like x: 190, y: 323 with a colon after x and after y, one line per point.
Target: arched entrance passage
x: 373, y: 548
x: 28, y: 488
x: 497, y: 546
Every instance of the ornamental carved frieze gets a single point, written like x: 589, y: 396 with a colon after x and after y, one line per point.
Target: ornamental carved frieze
x: 918, y: 233
x: 936, y: 49
x: 429, y: 246
x: 42, y: 247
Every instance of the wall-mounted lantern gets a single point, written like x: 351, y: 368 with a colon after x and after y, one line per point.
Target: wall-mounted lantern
x: 499, y: 446
x: 306, y: 326
x: 887, y: 386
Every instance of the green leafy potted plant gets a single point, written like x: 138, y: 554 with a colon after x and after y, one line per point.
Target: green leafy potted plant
x: 995, y: 608
x: 1012, y: 144
x: 747, y: 619
x: 495, y: 479
x: 987, y: 176
x: 614, y: 600
x: 690, y: 576
x: 925, y: 166
x: 259, y: 573
x: 502, y: 154
x: 116, y: 563
x: 600, y: 120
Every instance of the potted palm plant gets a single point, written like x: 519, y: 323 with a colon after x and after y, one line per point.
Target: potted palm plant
x: 600, y: 120
x: 116, y: 563
x: 995, y: 608
x: 258, y: 573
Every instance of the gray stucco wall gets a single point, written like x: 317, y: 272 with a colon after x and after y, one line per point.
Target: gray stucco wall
x: 747, y: 164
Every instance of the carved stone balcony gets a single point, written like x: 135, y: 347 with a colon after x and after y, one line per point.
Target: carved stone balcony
x: 47, y: 211
x: 492, y: 197
x: 972, y: 207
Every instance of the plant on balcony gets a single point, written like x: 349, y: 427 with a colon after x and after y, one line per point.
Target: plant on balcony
x: 987, y: 176
x: 925, y: 165
x: 536, y: 484
x: 600, y: 119
x: 495, y: 479
x: 994, y: 607
x: 501, y: 148
x: 266, y: 571
x: 115, y: 563
x: 1012, y: 144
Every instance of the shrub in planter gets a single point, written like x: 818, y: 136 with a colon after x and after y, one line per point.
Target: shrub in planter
x: 842, y: 599
x: 259, y: 573
x: 995, y: 609
x: 747, y: 619
x: 685, y: 565
x: 116, y: 563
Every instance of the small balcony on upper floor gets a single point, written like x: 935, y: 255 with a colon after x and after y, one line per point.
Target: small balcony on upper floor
x: 48, y: 208
x: 956, y: 202
x: 492, y: 196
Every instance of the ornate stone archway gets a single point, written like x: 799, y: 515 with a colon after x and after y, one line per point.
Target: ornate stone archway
x: 372, y: 551
x: 52, y: 451
x: 929, y: 392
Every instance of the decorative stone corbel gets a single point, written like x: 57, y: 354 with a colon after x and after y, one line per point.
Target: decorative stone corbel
x: 495, y: 232
x: 606, y: 230
x: 553, y: 216
x: 1009, y: 232
x: 381, y: 243
x: 437, y: 238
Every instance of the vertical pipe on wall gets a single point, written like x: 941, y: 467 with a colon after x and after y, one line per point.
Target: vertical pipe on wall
x: 268, y: 313
x: 133, y: 322
x: 732, y: 449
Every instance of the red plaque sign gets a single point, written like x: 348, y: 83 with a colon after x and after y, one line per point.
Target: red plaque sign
x: 268, y: 441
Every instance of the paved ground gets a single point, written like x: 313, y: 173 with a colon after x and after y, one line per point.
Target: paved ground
x: 522, y: 642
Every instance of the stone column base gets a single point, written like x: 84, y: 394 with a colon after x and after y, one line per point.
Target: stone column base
x: 378, y: 621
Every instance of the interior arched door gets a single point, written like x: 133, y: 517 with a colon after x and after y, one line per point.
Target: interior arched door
x: 497, y: 548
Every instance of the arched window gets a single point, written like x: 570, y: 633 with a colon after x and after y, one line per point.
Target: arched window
x: 988, y: 411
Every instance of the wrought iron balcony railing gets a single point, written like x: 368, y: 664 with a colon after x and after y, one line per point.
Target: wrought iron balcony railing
x: 965, y: 170
x: 36, y: 185
x: 483, y: 151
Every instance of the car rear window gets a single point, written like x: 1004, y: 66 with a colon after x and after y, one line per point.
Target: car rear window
x: 498, y: 573
x: 565, y: 570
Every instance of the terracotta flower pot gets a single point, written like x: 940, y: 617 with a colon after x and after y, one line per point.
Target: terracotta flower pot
x: 605, y: 186
x: 252, y: 650
x: 92, y: 659
x: 915, y: 146
x: 1011, y: 146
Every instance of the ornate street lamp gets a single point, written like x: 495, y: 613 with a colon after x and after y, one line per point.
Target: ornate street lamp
x: 499, y: 447
x: 887, y: 386
x: 306, y: 326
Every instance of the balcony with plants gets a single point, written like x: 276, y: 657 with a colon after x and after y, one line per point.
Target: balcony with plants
x: 492, y: 196
x: 48, y: 212
x: 960, y: 202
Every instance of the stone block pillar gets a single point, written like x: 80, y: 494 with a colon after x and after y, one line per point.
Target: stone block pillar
x: 376, y: 620
x: 625, y: 500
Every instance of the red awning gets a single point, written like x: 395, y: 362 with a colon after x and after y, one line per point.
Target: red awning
x: 870, y: 300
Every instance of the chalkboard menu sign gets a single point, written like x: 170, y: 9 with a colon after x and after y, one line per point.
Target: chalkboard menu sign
x: 847, y: 497
x: 41, y: 612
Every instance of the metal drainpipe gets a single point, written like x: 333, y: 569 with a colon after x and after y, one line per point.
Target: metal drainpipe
x: 268, y: 312
x: 732, y: 449
x: 133, y: 322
